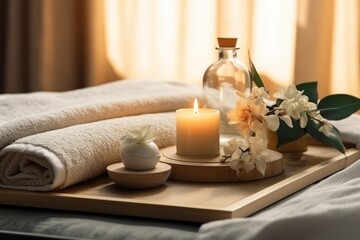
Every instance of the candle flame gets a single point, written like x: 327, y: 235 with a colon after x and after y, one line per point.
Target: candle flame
x: 196, y: 107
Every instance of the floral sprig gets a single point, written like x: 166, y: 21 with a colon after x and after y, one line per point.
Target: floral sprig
x: 251, y: 114
x: 307, y: 113
x: 252, y: 121
x: 246, y: 154
x: 296, y: 112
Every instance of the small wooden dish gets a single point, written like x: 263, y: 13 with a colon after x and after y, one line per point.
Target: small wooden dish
x: 139, y: 179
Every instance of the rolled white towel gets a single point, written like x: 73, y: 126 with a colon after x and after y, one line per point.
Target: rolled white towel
x: 60, y: 158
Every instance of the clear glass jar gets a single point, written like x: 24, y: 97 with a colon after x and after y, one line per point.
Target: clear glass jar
x: 221, y: 81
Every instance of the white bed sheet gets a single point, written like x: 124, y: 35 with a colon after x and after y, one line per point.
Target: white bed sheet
x: 329, y: 209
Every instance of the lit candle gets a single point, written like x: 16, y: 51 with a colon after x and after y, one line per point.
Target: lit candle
x: 197, y: 132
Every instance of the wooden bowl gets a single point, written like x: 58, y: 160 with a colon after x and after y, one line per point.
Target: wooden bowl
x: 132, y: 179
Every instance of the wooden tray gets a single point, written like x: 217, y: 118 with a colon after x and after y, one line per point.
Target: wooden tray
x: 197, y: 202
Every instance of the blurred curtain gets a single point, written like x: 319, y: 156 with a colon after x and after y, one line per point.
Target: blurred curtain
x: 63, y: 44
x: 52, y: 45
x: 290, y: 41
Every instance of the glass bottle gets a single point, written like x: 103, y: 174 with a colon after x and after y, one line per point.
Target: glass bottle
x: 221, y: 81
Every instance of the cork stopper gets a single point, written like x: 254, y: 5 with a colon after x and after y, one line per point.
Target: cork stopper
x: 227, y: 42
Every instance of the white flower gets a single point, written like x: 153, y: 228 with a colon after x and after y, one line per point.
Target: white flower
x: 288, y: 93
x: 240, y: 158
x: 260, y: 164
x: 295, y: 105
x: 272, y: 122
x: 249, y: 116
x: 287, y: 120
x: 246, y: 154
x: 143, y: 134
x: 258, y: 95
x: 231, y: 147
x: 257, y: 144
x: 242, y: 163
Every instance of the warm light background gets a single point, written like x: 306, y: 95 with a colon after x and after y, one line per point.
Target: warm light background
x: 79, y: 43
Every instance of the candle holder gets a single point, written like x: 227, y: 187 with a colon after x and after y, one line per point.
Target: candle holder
x: 211, y: 169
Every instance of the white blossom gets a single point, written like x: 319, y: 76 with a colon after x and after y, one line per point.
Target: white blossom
x: 287, y: 120
x: 250, y: 117
x: 272, y: 122
x: 294, y: 105
x: 144, y: 134
x: 261, y: 164
x: 243, y: 162
x: 258, y: 95
x: 247, y: 155
x: 288, y: 93
x: 231, y: 147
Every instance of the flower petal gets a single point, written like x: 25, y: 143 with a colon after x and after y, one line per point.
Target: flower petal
x: 248, y: 166
x: 143, y: 134
x: 303, y: 120
x: 246, y: 157
x: 272, y: 122
x: 261, y: 166
x: 287, y: 120
x: 235, y: 155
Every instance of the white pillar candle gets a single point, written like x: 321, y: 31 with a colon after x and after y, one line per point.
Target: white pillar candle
x: 197, y: 132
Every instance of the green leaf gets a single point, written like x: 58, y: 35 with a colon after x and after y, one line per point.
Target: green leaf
x: 285, y: 134
x: 254, y: 75
x: 310, y: 90
x: 334, y: 140
x: 338, y: 106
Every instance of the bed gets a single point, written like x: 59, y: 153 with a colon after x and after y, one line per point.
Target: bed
x: 327, y: 209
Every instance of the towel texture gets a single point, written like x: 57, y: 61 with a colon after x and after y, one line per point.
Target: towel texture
x: 60, y: 158
x: 27, y: 114
x: 53, y: 140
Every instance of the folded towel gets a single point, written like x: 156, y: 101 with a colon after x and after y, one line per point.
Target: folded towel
x: 53, y: 140
x: 349, y: 129
x: 60, y: 158
x: 26, y: 114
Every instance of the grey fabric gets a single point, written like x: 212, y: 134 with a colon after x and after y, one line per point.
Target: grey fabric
x: 328, y: 210
x: 74, y: 225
